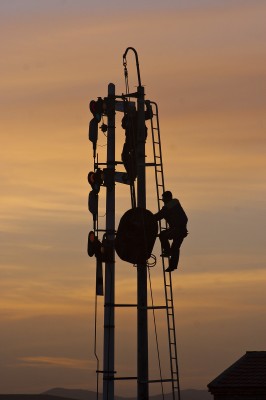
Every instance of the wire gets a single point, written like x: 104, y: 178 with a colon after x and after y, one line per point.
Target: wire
x: 111, y: 310
x: 156, y: 335
x: 152, y: 264
x: 95, y: 347
x: 126, y: 75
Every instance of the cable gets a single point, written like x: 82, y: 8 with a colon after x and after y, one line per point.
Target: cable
x: 126, y: 75
x: 109, y: 333
x: 95, y: 347
x: 156, y: 335
x: 152, y: 264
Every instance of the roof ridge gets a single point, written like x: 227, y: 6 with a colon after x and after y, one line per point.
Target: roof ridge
x: 248, y: 371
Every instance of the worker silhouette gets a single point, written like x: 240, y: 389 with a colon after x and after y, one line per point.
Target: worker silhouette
x: 176, y: 218
x: 130, y: 125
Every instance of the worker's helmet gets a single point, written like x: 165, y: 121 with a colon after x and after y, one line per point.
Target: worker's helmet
x: 167, y: 196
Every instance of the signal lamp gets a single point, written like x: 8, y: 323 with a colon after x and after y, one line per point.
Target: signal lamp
x: 94, y: 245
x: 103, y: 251
x: 93, y: 107
x: 97, y: 108
x: 95, y: 179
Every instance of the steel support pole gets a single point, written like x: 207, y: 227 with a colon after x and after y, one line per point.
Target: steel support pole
x: 109, y: 296
x: 142, y: 334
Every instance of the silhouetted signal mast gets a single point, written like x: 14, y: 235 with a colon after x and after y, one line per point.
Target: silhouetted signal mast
x: 136, y: 234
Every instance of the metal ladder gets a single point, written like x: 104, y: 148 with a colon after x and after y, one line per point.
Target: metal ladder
x: 160, y: 188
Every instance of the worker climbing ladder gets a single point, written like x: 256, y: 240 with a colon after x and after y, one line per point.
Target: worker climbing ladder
x: 168, y: 289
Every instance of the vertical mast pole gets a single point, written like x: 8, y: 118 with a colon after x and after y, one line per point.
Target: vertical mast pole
x: 109, y: 299
x: 143, y: 360
x: 142, y: 346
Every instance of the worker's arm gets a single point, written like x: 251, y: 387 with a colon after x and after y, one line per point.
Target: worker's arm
x: 160, y: 214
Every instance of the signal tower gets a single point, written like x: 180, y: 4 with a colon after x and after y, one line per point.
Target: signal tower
x: 138, y: 220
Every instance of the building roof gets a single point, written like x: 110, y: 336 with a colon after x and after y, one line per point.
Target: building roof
x: 30, y: 397
x: 247, y: 372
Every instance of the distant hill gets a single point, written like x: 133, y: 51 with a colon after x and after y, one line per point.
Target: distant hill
x: 75, y: 394
x: 78, y: 394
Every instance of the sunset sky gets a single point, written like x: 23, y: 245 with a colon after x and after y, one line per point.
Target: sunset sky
x: 204, y: 63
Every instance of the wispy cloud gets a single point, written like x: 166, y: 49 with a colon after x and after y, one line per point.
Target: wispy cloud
x: 64, y: 362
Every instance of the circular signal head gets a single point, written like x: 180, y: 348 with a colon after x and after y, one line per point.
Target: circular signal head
x: 93, y: 107
x: 91, y: 178
x: 91, y: 236
x: 91, y: 243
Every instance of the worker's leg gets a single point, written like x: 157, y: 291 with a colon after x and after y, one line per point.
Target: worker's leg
x: 164, y: 235
x: 175, y: 251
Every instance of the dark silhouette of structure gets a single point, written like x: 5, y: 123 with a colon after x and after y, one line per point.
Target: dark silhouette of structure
x: 245, y: 379
x: 136, y: 233
x: 176, y: 218
x: 130, y: 124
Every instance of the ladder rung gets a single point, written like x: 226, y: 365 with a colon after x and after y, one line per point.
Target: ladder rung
x: 121, y: 378
x: 158, y: 380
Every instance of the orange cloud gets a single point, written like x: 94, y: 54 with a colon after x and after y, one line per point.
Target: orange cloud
x: 48, y: 362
